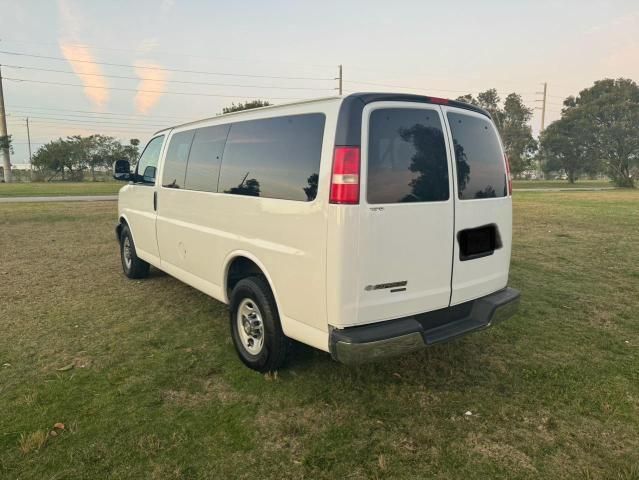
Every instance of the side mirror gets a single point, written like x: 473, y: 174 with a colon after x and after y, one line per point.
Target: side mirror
x: 122, y: 170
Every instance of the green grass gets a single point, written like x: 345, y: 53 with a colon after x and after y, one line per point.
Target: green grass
x: 144, y: 377
x: 562, y: 184
x: 59, y: 188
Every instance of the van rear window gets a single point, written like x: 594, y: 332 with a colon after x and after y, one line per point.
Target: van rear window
x: 406, y: 156
x: 481, y: 172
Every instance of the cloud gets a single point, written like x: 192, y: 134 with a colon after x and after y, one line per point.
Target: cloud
x: 151, y: 81
x: 78, y: 54
x: 89, y: 73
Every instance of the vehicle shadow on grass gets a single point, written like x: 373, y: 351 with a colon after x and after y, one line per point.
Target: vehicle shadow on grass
x: 464, y: 362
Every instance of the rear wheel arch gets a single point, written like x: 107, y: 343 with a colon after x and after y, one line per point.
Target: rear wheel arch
x: 239, y: 265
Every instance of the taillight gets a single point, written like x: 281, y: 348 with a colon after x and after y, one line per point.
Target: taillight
x: 508, y: 176
x: 345, y: 176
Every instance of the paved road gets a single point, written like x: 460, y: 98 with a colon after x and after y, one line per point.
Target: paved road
x: 68, y: 198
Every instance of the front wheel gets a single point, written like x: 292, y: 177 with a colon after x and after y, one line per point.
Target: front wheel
x: 255, y: 326
x: 132, y: 265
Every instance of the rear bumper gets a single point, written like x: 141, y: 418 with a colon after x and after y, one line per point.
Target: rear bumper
x: 394, y: 337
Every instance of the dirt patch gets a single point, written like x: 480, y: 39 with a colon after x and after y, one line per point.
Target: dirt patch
x: 212, y: 390
x: 500, y: 453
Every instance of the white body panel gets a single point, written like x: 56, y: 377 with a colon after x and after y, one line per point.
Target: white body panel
x: 319, y: 257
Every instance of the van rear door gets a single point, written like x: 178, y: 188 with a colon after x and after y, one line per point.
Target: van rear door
x: 483, y: 206
x: 406, y: 212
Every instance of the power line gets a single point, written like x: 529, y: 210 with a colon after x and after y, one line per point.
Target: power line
x: 80, y: 117
x: 67, y: 122
x: 146, y: 91
x: 419, y: 88
x: 164, y: 69
x: 163, y: 80
x: 181, y: 54
x: 100, y: 113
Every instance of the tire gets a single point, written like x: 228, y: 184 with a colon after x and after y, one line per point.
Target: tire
x: 252, y: 295
x: 132, y: 266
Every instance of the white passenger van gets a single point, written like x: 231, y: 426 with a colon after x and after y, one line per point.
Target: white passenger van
x: 365, y: 226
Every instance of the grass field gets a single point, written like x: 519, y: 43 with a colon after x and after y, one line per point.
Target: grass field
x: 144, y: 377
x: 561, y: 184
x: 59, y: 188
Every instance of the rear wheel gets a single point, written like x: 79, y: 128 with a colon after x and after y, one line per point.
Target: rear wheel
x: 132, y: 266
x: 255, y: 326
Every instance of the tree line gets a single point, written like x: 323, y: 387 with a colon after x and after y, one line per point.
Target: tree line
x: 598, y: 132
x: 72, y: 157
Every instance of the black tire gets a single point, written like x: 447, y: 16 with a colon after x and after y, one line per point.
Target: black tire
x: 275, y: 344
x: 136, y: 268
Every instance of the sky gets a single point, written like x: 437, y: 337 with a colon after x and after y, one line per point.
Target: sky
x: 131, y: 68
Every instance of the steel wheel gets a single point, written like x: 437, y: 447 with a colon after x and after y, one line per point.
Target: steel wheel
x: 250, y: 326
x: 126, y: 252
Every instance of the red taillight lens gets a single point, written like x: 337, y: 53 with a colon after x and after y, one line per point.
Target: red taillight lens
x: 508, y: 176
x: 345, y: 176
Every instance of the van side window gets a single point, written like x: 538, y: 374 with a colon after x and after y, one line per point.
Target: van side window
x: 203, y: 168
x: 481, y: 171
x: 274, y: 157
x: 406, y: 156
x: 148, y: 162
x: 175, y: 161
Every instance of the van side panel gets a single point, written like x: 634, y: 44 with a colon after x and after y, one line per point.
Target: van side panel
x: 201, y: 232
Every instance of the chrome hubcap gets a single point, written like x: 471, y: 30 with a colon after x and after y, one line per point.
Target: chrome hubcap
x: 250, y: 327
x: 126, y: 251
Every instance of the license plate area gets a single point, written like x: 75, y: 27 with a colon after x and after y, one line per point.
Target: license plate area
x: 478, y: 242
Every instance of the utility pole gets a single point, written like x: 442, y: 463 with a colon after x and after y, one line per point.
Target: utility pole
x: 544, y: 95
x: 340, y: 77
x: 4, y: 151
x: 543, y: 107
x: 29, y: 143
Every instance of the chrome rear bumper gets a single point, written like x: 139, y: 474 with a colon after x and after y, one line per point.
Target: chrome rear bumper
x: 395, y: 337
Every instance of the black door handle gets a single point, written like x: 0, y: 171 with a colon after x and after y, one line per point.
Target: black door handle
x: 155, y: 200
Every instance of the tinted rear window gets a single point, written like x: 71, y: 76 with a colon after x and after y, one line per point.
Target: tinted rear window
x: 274, y: 157
x: 204, y: 160
x: 406, y: 157
x: 480, y: 165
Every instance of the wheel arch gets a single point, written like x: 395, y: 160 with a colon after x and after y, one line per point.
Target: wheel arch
x: 237, y: 256
x: 122, y: 221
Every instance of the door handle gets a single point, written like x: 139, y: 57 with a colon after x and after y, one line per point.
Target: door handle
x: 155, y: 200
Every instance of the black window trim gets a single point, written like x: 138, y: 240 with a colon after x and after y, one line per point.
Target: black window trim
x: 412, y: 105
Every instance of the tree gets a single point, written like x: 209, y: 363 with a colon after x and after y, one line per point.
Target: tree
x: 246, y: 106
x: 563, y: 148
x: 75, y: 154
x: 513, y: 123
x: 601, y: 126
x: 55, y: 158
x: 516, y: 133
x: 131, y: 151
x: 5, y: 143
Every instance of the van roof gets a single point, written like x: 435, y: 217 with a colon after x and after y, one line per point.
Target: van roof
x: 352, y: 104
